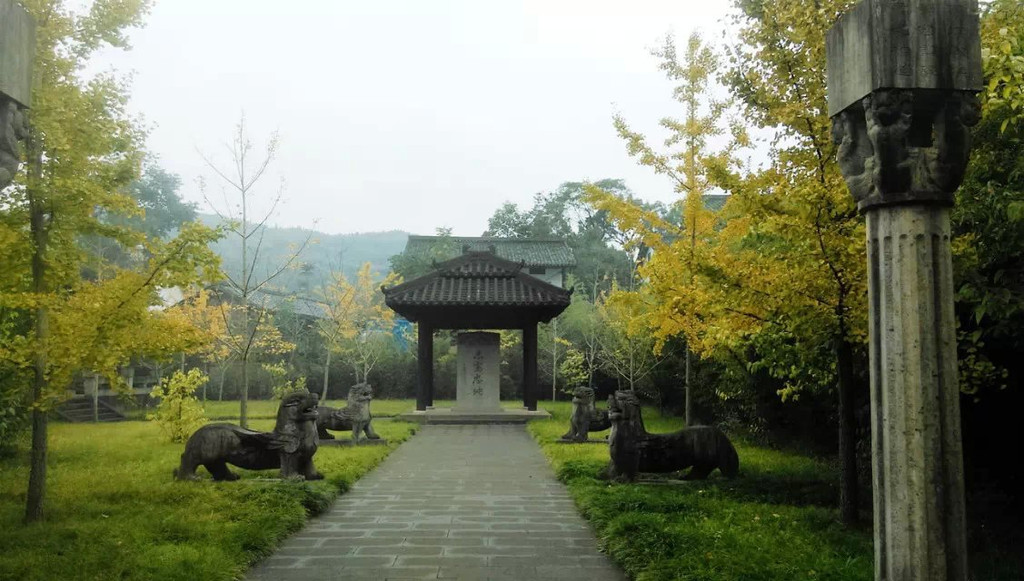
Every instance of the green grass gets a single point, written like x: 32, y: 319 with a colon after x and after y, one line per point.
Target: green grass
x: 777, y: 521
x: 267, y: 409
x: 114, y: 512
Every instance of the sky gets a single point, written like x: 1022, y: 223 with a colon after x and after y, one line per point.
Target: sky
x: 406, y: 114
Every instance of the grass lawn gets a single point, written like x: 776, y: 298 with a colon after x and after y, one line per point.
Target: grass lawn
x: 382, y: 408
x: 114, y: 512
x: 267, y: 409
x: 777, y: 521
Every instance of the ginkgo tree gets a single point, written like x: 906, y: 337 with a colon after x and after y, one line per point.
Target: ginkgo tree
x: 627, y: 348
x: 692, y: 157
x: 83, y: 151
x: 804, y: 239
x: 357, y: 324
x: 780, y: 270
x: 212, y: 320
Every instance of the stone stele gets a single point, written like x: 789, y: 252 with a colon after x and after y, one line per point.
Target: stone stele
x: 479, y: 368
x: 903, y: 44
x: 17, y: 50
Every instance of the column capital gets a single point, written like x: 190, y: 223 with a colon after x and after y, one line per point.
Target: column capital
x: 905, y: 146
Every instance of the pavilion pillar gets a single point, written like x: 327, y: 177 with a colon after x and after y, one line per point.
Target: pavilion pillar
x: 425, y: 362
x: 902, y: 78
x: 530, y: 366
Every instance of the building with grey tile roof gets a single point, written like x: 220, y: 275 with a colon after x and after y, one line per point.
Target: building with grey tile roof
x: 535, y: 252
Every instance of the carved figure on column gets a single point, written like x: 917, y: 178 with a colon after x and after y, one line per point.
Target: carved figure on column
x: 13, y: 128
x: 899, y: 145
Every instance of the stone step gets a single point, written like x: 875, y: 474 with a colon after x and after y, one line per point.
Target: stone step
x: 448, y: 416
x: 80, y: 411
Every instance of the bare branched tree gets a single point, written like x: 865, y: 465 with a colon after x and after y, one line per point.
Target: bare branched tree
x: 239, y: 181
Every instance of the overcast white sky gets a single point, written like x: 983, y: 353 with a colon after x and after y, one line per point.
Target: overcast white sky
x: 409, y: 114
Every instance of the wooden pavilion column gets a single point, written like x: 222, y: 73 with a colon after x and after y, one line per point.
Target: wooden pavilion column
x: 530, y: 366
x: 425, y: 362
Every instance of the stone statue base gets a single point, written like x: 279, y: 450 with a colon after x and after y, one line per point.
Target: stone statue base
x: 347, y: 442
x: 588, y: 441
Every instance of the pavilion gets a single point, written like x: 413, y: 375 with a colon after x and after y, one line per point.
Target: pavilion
x: 477, y: 290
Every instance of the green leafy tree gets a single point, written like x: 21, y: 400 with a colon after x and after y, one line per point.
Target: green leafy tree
x: 179, y: 412
x: 83, y: 151
x: 164, y: 212
x: 596, y: 242
x: 1002, y: 35
x: 627, y: 348
x: 582, y: 326
x: 280, y: 383
x: 781, y: 275
x: 689, y: 161
x: 410, y: 265
x: 988, y: 218
x: 807, y: 224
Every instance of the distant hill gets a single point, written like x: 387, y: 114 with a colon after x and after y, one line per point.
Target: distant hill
x: 325, y: 253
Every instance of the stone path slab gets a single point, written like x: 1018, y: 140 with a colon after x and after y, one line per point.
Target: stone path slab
x: 454, y: 502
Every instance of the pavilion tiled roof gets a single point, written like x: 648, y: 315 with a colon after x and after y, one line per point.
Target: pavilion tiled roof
x: 476, y: 279
x: 540, y: 252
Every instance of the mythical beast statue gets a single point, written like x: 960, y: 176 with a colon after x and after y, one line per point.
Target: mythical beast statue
x: 290, y: 446
x: 585, y: 416
x: 355, y: 416
x: 634, y: 450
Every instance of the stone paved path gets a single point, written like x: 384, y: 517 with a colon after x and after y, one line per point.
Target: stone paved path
x: 454, y: 502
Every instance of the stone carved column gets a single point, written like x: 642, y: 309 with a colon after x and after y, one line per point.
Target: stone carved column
x: 902, y: 82
x: 915, y: 422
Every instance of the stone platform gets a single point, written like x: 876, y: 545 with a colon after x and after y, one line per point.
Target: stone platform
x: 451, y: 416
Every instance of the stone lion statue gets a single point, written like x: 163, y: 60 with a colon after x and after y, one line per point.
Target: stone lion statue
x: 290, y: 446
x: 585, y: 416
x: 634, y: 450
x: 354, y: 416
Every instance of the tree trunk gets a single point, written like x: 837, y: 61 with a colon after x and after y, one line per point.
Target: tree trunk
x: 37, y: 464
x: 206, y: 384
x: 243, y: 410
x: 689, y: 390
x: 849, y: 492
x: 94, y: 381
x: 327, y: 374
x: 37, y: 470
x: 223, y: 375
